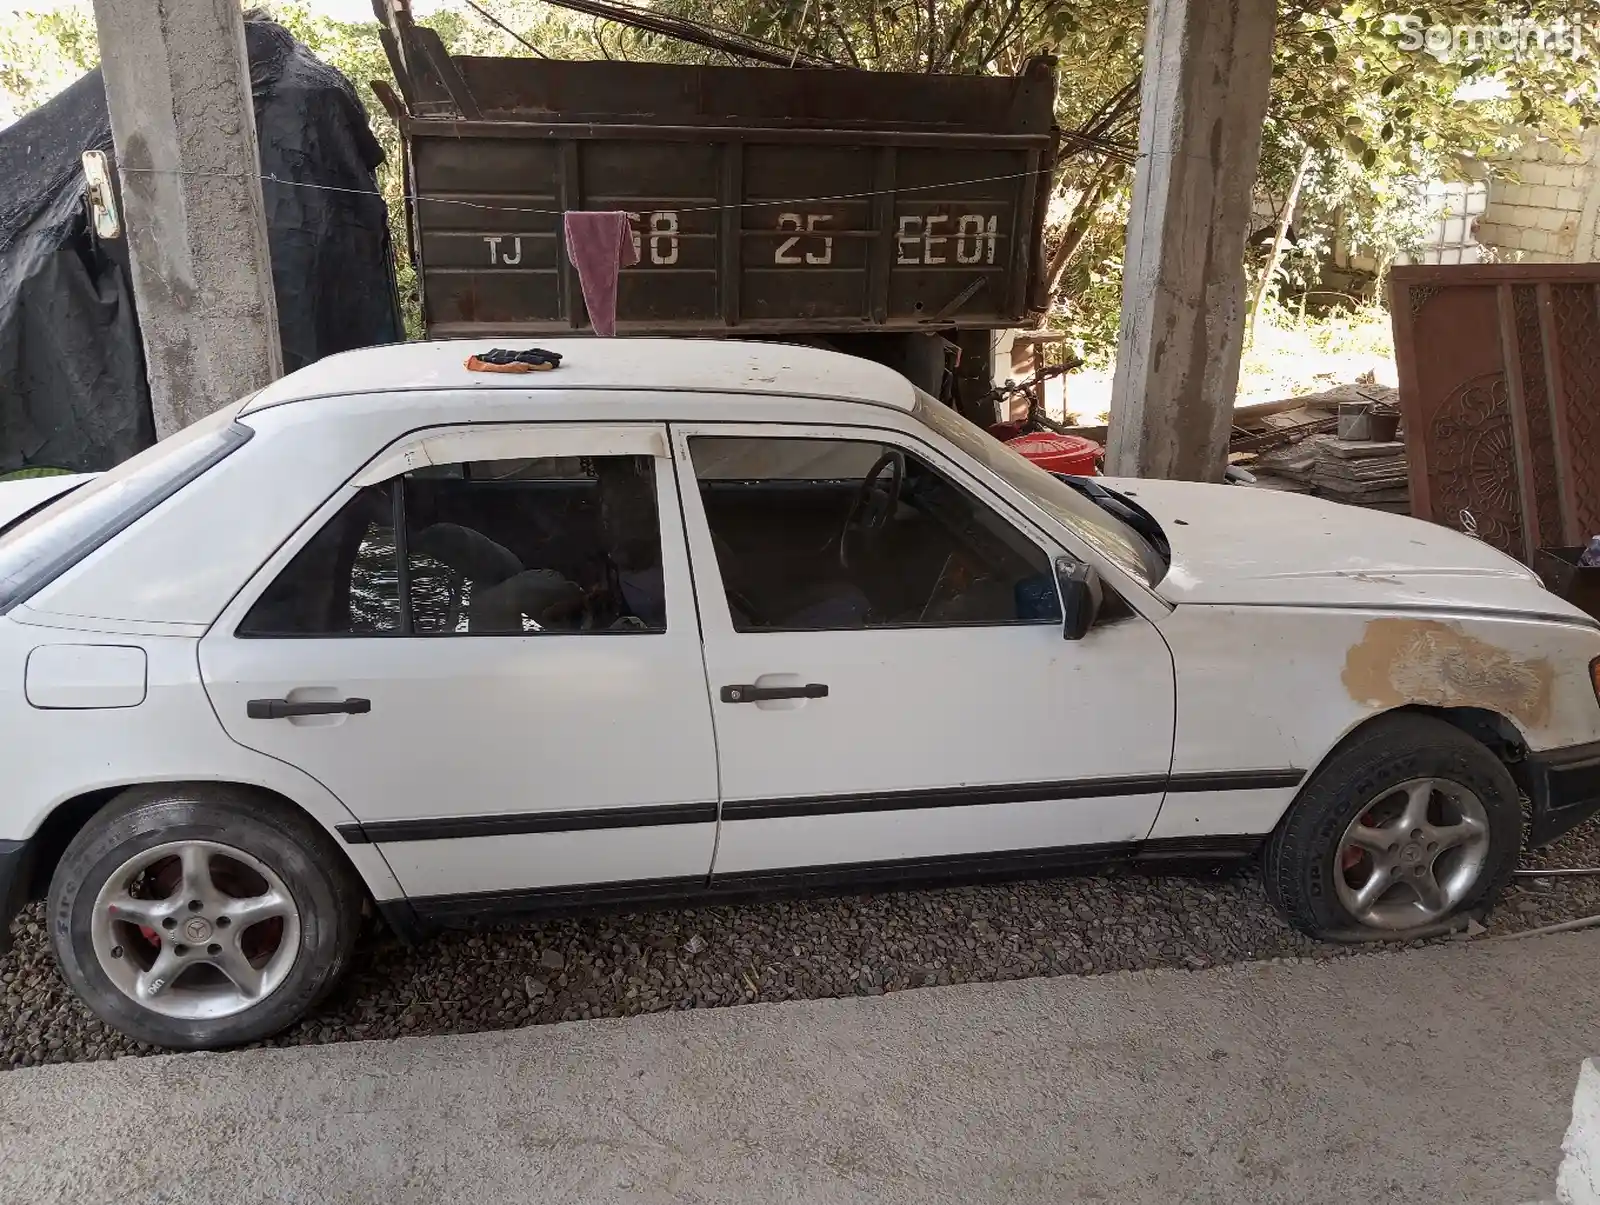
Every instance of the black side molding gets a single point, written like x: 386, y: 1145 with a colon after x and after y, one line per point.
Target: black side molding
x: 577, y: 820
x: 514, y: 824
x: 1236, y: 780
x: 1024, y: 792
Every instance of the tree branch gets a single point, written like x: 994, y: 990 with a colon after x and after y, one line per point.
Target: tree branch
x: 877, y: 38
x: 1005, y: 31
x: 957, y: 28
x: 1277, y: 243
x: 844, y: 38
x: 1077, y: 228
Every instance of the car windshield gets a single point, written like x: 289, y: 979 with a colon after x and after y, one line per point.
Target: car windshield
x: 1104, y: 532
x: 47, y: 544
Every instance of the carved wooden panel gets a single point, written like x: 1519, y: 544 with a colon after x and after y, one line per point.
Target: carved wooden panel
x: 1500, y: 390
x: 1472, y: 459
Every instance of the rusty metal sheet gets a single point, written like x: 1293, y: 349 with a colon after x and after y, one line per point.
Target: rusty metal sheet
x: 762, y: 201
x: 1499, y: 369
x: 520, y: 89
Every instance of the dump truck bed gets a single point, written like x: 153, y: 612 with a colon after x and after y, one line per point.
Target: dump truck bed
x: 763, y: 201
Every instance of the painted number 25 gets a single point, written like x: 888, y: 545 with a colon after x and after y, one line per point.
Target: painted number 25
x: 806, y: 224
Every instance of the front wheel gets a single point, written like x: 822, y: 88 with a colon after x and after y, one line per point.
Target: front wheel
x: 201, y: 916
x: 1411, y: 822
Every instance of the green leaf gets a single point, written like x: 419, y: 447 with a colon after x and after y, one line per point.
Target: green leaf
x: 1062, y: 22
x: 1389, y: 85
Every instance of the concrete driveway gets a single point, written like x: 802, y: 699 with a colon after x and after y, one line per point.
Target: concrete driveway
x: 1442, y: 1074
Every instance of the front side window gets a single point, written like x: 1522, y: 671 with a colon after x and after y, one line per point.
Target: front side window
x: 838, y: 534
x: 1106, y: 533
x: 487, y: 548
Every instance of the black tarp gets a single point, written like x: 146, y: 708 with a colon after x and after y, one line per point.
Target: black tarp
x: 72, y: 386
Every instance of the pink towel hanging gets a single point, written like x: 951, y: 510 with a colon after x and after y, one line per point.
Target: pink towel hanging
x: 600, y: 245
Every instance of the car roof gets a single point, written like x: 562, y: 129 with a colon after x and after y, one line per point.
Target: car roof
x: 657, y: 365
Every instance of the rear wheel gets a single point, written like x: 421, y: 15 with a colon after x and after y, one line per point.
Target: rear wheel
x: 198, y: 916
x: 1409, y: 823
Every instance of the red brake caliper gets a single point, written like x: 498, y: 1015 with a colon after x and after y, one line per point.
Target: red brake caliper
x: 1351, y: 858
x: 166, y: 882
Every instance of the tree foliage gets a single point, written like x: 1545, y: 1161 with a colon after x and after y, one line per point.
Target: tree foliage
x: 1377, y: 120
x: 40, y: 54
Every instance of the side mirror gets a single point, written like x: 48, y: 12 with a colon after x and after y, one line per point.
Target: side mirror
x: 1080, y: 597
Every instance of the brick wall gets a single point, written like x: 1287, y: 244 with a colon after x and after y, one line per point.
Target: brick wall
x: 1551, y: 213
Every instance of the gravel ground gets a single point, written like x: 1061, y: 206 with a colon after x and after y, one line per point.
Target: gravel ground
x: 621, y: 964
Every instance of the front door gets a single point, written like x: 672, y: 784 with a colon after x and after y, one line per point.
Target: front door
x: 493, y: 660
x: 892, y: 692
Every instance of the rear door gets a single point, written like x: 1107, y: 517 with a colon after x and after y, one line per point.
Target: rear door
x: 486, y: 646
x: 892, y: 691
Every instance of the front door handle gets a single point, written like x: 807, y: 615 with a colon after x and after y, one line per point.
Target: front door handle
x: 746, y: 693
x: 283, y: 709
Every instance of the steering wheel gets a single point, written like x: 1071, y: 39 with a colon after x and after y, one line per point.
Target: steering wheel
x: 871, y: 509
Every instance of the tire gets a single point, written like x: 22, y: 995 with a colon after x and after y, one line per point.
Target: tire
x: 241, y: 838
x: 1307, y: 863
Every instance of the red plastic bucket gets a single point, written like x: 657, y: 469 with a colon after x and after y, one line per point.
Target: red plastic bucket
x: 1071, y: 454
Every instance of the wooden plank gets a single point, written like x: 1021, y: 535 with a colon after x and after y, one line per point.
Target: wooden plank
x: 445, y: 68
x: 1412, y: 403
x: 731, y: 194
x: 441, y: 126
x: 1021, y: 246
x: 1522, y: 442
x: 1478, y: 274
x: 1560, y: 435
x: 881, y: 261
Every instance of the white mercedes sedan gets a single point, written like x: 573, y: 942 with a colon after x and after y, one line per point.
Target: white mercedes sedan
x: 680, y: 621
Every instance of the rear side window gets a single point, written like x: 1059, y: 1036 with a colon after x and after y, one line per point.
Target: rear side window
x: 487, y: 548
x: 38, y: 551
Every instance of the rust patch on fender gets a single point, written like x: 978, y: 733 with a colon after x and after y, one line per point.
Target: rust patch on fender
x: 1400, y: 661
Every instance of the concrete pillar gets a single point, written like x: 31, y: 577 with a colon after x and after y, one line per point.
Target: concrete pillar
x: 1587, y: 249
x: 1207, y: 70
x: 178, y: 84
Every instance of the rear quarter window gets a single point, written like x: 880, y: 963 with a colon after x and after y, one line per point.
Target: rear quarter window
x: 45, y: 545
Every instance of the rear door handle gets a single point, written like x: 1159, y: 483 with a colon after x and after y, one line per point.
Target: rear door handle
x: 745, y: 693
x: 283, y: 709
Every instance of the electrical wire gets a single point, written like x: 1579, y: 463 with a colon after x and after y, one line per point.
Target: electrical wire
x: 494, y: 20
x: 1566, y: 926
x: 417, y: 198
